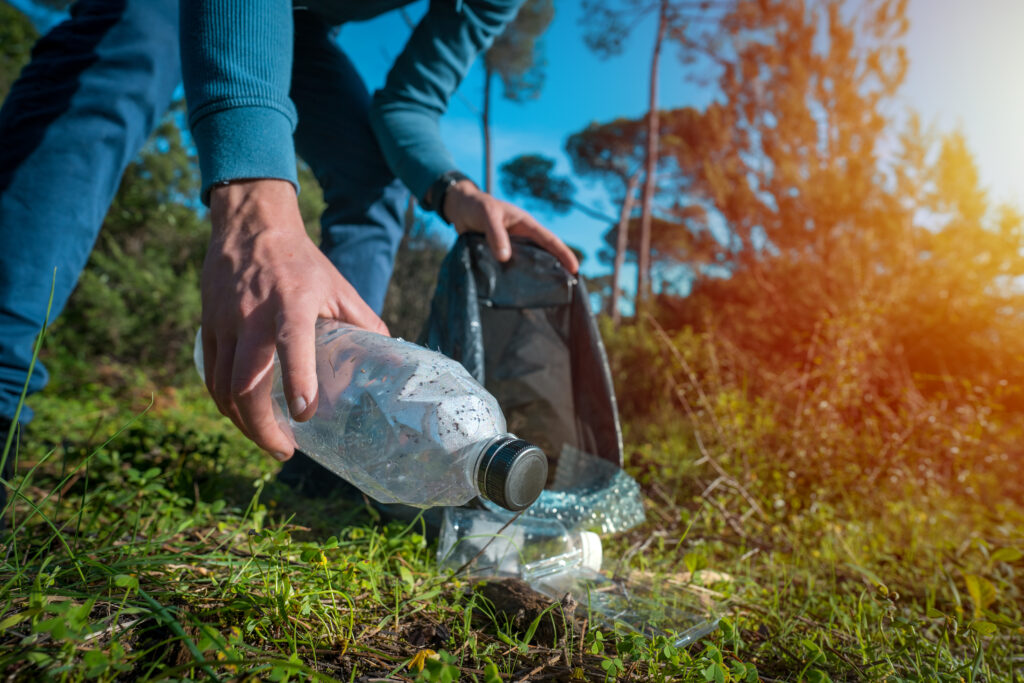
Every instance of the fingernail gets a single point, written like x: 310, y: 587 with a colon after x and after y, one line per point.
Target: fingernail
x: 299, y: 404
x: 280, y: 457
x: 504, y: 254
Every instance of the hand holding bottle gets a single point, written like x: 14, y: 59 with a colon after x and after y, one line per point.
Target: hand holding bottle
x: 406, y: 424
x: 264, y: 285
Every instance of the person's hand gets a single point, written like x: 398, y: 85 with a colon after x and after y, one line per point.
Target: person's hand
x: 264, y: 285
x: 471, y: 209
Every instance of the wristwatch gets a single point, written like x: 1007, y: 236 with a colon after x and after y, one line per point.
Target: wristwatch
x: 434, y: 201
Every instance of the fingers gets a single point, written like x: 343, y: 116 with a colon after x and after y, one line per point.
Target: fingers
x: 251, y: 382
x: 352, y: 309
x: 527, y: 226
x: 219, y: 384
x: 209, y: 356
x: 501, y: 218
x: 296, y: 347
x: 497, y: 234
x: 359, y: 314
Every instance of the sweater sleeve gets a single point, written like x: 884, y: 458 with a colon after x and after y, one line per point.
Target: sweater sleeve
x: 405, y: 113
x: 236, y: 64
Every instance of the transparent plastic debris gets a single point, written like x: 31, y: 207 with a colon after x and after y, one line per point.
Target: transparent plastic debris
x: 670, y: 611
x: 590, y: 493
x: 485, y: 544
x: 555, y: 561
x: 407, y: 425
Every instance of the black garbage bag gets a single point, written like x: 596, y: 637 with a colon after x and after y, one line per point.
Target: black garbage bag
x: 525, y: 331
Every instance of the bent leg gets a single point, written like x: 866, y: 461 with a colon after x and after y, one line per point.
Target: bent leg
x: 362, y: 225
x: 78, y: 114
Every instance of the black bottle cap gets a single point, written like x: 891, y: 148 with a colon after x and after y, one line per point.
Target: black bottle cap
x: 512, y: 473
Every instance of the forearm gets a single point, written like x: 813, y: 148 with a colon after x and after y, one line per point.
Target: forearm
x: 405, y: 113
x: 410, y: 140
x: 236, y: 65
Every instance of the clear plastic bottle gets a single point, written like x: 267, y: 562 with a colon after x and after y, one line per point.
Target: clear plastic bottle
x: 529, y: 548
x: 649, y: 610
x: 407, y: 425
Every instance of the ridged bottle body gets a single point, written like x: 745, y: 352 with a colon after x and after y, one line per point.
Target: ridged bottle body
x: 404, y: 424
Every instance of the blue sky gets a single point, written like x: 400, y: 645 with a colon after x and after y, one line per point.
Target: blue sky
x: 965, y: 61
x: 579, y: 89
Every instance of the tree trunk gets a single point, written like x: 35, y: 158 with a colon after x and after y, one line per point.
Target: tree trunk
x: 485, y: 120
x: 621, y: 243
x: 643, y: 278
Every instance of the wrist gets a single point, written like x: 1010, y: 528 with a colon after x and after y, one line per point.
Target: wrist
x: 252, y: 205
x: 438, y: 192
x: 456, y: 199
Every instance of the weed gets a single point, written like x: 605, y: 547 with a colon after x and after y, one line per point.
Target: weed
x: 152, y: 541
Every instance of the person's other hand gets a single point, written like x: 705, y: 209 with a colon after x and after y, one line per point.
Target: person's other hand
x: 264, y: 285
x: 471, y: 209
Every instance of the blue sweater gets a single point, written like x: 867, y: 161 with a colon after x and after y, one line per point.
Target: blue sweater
x: 237, y: 61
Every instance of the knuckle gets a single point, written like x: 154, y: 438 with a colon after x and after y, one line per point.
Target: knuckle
x: 291, y: 326
x: 240, y: 389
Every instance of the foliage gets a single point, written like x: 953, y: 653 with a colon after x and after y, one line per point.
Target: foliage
x: 165, y: 550
x: 17, y: 35
x: 609, y: 152
x: 827, y: 436
x: 607, y: 24
x: 790, y: 154
x: 517, y: 55
x: 531, y: 176
x: 894, y: 271
x: 412, y: 284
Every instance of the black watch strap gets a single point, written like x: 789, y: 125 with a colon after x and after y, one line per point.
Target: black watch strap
x: 434, y: 201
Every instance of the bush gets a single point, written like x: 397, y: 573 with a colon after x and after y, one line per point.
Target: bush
x: 826, y: 433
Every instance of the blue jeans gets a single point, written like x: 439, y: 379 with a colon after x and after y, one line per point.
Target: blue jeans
x: 95, y: 89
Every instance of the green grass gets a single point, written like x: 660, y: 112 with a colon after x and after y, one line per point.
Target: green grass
x: 152, y: 543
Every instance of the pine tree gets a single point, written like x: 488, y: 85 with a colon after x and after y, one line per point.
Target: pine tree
x: 517, y: 58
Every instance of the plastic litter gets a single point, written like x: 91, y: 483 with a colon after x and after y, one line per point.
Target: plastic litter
x: 531, y: 549
x: 555, y: 561
x: 407, y: 425
x: 589, y: 493
x: 618, y: 603
x: 524, y: 329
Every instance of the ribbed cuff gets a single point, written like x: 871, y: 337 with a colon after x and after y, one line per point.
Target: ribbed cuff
x: 244, y: 142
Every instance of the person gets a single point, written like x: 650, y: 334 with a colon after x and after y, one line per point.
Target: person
x: 264, y: 81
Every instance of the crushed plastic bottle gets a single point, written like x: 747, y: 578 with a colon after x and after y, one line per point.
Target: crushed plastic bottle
x: 670, y: 612
x: 589, y: 493
x: 532, y: 549
x: 407, y: 425
x: 555, y: 561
